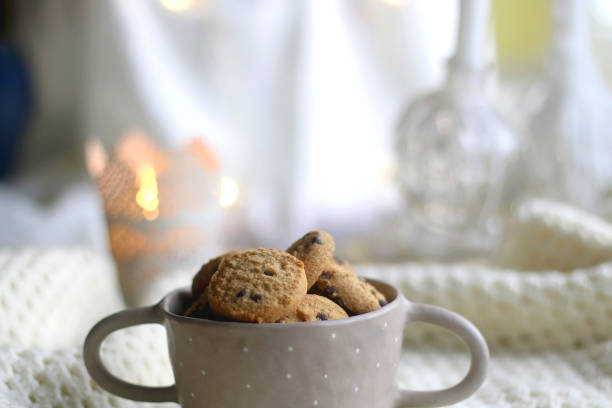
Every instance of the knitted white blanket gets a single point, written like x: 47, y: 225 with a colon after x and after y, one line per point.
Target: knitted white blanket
x: 550, y: 332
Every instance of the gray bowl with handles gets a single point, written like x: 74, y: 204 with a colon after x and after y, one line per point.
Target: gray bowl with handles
x: 336, y: 363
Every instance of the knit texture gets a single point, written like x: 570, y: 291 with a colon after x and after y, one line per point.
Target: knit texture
x: 50, y: 298
x: 546, y: 235
x: 550, y: 331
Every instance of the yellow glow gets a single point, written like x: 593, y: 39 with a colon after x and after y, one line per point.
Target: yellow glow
x: 146, y: 197
x: 177, y: 5
x: 396, y: 3
x: 228, y: 193
x: 523, y: 31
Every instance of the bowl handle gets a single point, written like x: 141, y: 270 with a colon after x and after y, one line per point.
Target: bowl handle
x: 93, y: 362
x: 475, y: 343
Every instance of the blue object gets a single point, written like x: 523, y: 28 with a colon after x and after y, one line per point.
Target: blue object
x: 15, y: 104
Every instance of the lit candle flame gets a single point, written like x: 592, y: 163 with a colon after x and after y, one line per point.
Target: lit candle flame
x: 147, y: 195
x: 228, y: 193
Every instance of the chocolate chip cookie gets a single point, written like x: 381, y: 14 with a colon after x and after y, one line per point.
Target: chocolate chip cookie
x: 342, y: 285
x: 202, y: 278
x: 256, y: 285
x: 200, y: 307
x: 316, y: 250
x: 312, y: 308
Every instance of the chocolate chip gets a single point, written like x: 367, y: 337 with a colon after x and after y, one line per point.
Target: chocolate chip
x: 329, y: 290
x: 338, y: 260
x: 322, y: 316
x: 317, y: 240
x: 382, y: 302
x: 325, y: 276
x: 277, y: 321
x: 269, y: 273
x: 241, y: 293
x: 340, y: 302
x: 256, y: 298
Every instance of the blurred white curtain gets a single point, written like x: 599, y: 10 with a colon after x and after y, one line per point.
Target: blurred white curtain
x: 363, y: 61
x: 299, y: 98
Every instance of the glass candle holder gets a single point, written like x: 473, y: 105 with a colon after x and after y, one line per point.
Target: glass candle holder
x: 163, y: 209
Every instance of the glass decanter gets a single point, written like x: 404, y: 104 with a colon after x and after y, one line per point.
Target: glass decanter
x: 454, y: 152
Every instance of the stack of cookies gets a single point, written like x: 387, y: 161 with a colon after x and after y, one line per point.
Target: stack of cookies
x: 305, y: 283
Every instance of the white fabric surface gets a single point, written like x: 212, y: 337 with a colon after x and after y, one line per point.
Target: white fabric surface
x: 550, y: 332
x: 49, y: 298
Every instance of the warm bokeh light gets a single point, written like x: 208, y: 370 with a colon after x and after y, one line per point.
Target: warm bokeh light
x: 95, y: 157
x: 177, y: 5
x: 396, y: 2
x: 137, y: 149
x: 228, y: 192
x: 147, y: 195
x: 205, y: 155
x: 151, y: 215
